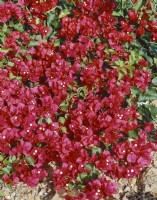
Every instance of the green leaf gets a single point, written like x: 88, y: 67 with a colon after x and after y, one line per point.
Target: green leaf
x: 63, y: 106
x: 19, y: 27
x: 62, y: 120
x: 127, y: 45
x: 9, y: 186
x: 1, y: 64
x: 23, y: 50
x: 1, y: 1
x: 97, y: 172
x: 5, y: 162
x: 83, y: 175
x: 33, y: 44
x: 70, y: 88
x: 145, y: 112
x: 30, y: 160
x: 139, y: 4
x: 119, y: 63
x: 81, y: 187
x: 11, y: 76
x: 55, y: 23
x: 18, y: 78
x: 120, y: 75
x: 12, y: 159
x: 150, y: 95
x: 134, y: 57
x: 57, y: 42
x: 71, y: 186
x: 11, y: 23
x: 1, y: 158
x: 98, y: 41
x: 4, y: 28
x: 154, y: 80
x: 2, y: 193
x: 4, y: 50
x: 7, y: 169
x: 135, y: 43
x: 53, y: 9
x: 107, y: 145
x: 78, y: 178
x: 82, y: 90
x: 131, y: 69
x: 37, y: 20
x: 11, y: 64
x: 133, y: 134
x: 51, y: 16
x: 153, y: 110
x: 136, y: 91
x: 153, y: 48
x: 154, y: 113
x: 64, y: 13
x: 155, y: 61
x: 48, y: 120
x: 143, y: 52
x: 67, y: 116
x: 118, y: 14
x: 96, y: 150
x: 64, y: 129
x: 89, y: 167
x: 40, y: 121
x: 38, y: 37
x: 3, y: 39
x: 123, y: 70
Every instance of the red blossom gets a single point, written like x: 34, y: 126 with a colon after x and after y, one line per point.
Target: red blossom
x: 133, y: 16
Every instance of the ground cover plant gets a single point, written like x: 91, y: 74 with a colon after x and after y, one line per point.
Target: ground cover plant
x: 76, y: 81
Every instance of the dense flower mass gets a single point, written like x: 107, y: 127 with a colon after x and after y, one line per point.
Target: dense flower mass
x: 71, y: 75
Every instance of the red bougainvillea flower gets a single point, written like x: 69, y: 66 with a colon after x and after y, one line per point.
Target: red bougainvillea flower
x: 8, y: 10
x: 133, y: 16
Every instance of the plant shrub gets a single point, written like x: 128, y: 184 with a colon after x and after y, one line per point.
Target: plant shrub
x: 77, y: 78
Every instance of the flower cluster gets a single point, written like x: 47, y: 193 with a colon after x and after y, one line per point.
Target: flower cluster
x: 69, y: 75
